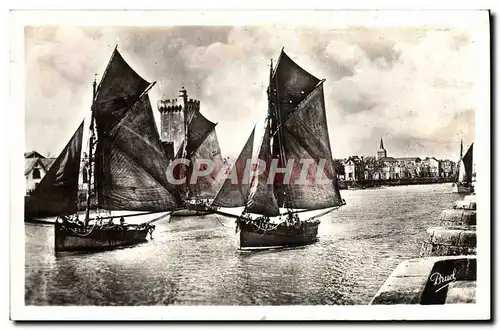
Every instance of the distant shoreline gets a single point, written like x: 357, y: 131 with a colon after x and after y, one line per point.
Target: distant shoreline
x: 366, y: 184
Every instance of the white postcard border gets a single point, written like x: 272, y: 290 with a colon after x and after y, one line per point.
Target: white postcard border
x: 475, y: 21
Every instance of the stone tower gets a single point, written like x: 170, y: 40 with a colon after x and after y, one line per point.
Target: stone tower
x: 381, y: 153
x: 174, y: 113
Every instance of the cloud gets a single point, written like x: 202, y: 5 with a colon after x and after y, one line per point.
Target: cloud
x: 345, y: 55
x: 415, y: 86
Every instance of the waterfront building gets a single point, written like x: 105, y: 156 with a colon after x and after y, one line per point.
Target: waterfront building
x: 447, y: 169
x: 388, y: 168
x: 353, y: 168
x: 433, y: 166
x: 35, y: 168
x: 383, y: 167
x: 410, y: 167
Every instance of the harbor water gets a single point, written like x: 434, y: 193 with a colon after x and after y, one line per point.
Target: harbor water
x: 195, y: 260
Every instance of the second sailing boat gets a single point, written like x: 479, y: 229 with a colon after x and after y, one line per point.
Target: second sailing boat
x: 126, y: 172
x: 296, y: 133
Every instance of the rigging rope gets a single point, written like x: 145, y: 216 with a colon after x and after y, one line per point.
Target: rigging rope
x: 157, y: 219
x: 326, y: 212
x: 216, y: 217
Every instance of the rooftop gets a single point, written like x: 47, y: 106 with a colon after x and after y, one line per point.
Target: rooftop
x: 32, y: 154
x: 32, y: 158
x: 410, y: 159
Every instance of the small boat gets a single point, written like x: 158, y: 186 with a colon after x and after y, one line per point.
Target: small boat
x: 295, y: 130
x: 260, y: 233
x: 194, y: 207
x: 463, y: 184
x: 126, y: 168
x: 72, y: 236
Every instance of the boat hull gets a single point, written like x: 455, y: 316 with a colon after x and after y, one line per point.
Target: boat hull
x: 461, y: 189
x: 67, y: 240
x: 252, y: 237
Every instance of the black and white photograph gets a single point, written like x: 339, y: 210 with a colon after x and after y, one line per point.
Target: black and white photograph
x: 231, y: 165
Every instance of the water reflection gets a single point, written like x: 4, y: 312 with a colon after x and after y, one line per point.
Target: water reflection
x: 194, y: 261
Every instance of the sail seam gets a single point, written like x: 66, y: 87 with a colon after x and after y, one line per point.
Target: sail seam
x: 311, y: 133
x: 202, y: 140
x: 155, y: 131
x: 298, y: 105
x: 123, y: 152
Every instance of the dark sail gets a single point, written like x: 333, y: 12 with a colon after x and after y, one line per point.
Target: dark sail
x: 202, y: 144
x: 468, y: 163
x: 57, y: 192
x: 235, y: 195
x: 292, y: 83
x: 206, y: 186
x: 199, y: 128
x: 305, y: 137
x: 130, y: 162
x: 119, y: 90
x: 261, y: 198
x: 289, y: 85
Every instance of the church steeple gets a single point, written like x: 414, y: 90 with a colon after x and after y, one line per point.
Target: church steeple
x: 381, y: 153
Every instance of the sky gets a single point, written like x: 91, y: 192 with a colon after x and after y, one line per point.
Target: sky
x: 415, y: 87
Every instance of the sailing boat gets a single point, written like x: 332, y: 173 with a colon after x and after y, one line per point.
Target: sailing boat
x: 295, y: 134
x: 57, y: 191
x: 126, y: 168
x: 200, y: 144
x: 465, y: 165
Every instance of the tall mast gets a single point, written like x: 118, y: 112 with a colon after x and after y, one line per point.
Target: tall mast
x: 91, y: 146
x: 271, y: 122
x: 278, y: 123
x: 460, y: 159
x: 184, y: 149
x: 270, y: 100
x: 268, y: 122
